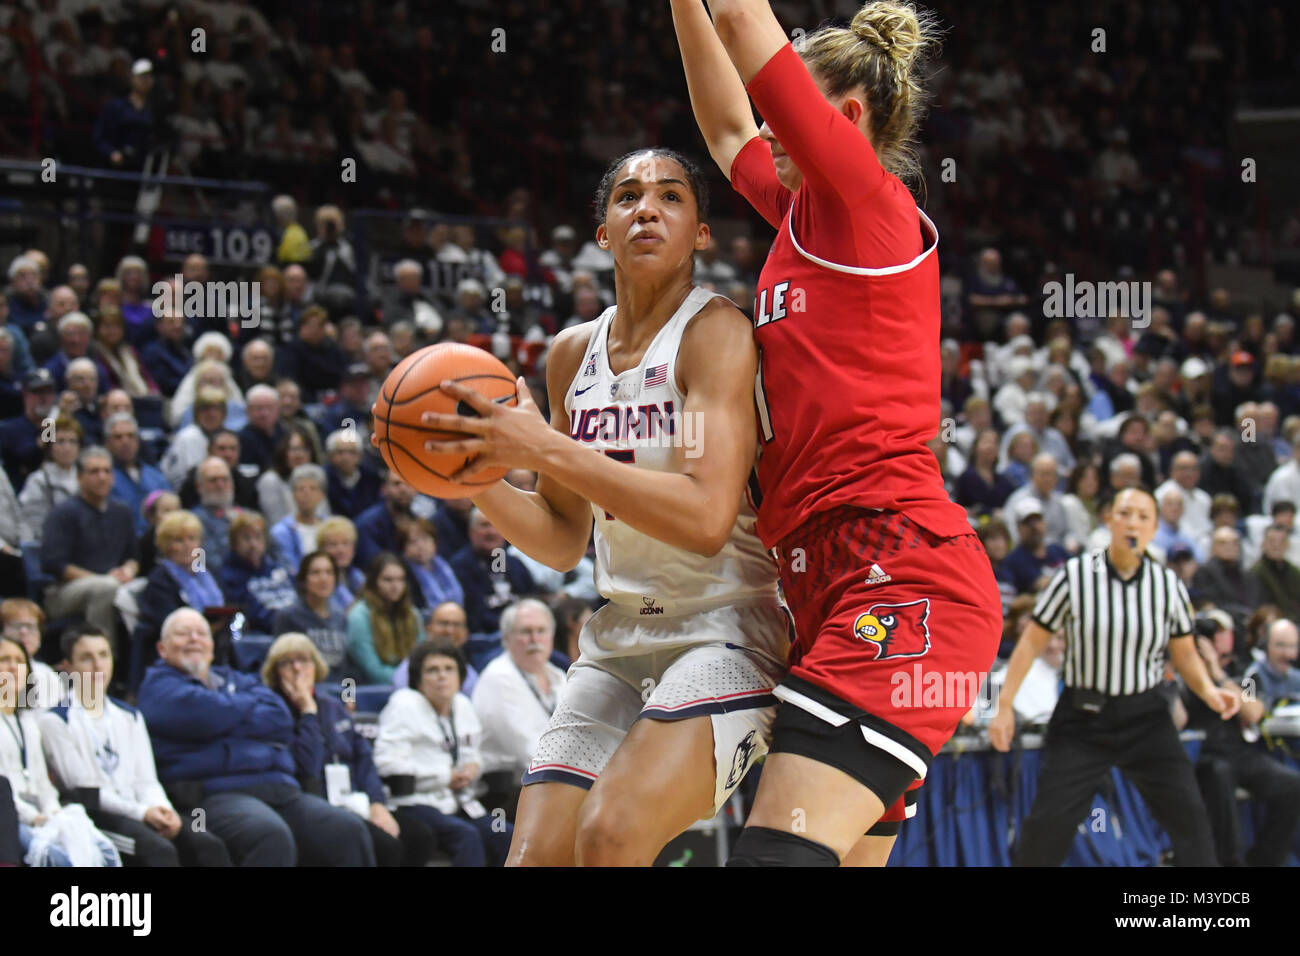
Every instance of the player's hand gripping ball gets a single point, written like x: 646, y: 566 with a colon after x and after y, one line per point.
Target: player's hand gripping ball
x: 411, y: 390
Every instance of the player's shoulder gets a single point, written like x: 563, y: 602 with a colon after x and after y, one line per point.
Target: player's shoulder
x: 566, y: 352
x: 719, y: 321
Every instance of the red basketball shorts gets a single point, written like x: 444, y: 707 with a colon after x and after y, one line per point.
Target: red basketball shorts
x: 896, y: 629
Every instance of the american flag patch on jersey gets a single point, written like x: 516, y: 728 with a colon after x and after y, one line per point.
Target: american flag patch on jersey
x: 656, y: 375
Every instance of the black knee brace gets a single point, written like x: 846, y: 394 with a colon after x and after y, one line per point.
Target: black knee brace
x: 762, y: 846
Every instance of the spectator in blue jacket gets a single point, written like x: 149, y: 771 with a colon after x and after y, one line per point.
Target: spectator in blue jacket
x: 179, y: 579
x: 295, y: 534
x: 353, y: 484
x: 432, y: 580
x: 377, y: 525
x: 222, y: 741
x: 325, y: 734
x: 1034, y: 559
x: 493, y: 578
x: 20, y: 436
x: 383, y: 625
x: 166, y: 358
x: 27, y: 301
x: 133, y: 479
x: 250, y: 579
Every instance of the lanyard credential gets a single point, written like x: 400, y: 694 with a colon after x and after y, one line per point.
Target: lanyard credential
x: 453, y: 742
x: 550, y: 710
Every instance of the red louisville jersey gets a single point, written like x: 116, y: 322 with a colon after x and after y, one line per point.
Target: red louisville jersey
x: 847, y: 321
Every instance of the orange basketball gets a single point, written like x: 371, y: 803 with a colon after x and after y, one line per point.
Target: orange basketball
x: 411, y: 389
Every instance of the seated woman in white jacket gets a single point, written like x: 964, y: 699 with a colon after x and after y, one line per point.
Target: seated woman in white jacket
x: 22, y: 763
x: 428, y: 756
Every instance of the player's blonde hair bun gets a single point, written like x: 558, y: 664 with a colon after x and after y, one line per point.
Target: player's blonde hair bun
x: 882, y: 52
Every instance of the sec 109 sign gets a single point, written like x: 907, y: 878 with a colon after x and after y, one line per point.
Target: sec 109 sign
x: 221, y: 245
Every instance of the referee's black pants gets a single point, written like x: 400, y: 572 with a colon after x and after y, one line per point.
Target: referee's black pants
x: 1137, y: 735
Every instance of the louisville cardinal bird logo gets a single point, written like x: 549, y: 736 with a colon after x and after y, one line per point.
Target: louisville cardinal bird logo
x: 897, y: 630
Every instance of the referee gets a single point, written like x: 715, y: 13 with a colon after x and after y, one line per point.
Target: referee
x: 1121, y: 612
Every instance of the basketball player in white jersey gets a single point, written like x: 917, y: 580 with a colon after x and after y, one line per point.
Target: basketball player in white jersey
x: 652, y: 435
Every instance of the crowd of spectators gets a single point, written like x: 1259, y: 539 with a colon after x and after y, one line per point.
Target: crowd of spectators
x: 198, y: 492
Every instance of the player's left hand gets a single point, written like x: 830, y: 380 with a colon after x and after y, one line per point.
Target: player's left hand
x: 500, y: 436
x: 1230, y: 700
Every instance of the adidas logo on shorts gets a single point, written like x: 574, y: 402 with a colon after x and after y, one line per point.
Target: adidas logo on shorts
x: 877, y: 576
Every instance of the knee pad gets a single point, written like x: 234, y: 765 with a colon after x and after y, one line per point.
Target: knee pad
x: 762, y: 846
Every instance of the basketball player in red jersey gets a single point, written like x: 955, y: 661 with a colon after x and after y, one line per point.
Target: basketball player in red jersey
x: 889, y: 587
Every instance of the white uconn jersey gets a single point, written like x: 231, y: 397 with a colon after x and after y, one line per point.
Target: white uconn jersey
x: 637, y: 417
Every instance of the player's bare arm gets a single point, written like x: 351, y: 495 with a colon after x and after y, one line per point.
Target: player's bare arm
x: 693, y: 508
x: 718, y: 97
x: 750, y: 33
x: 552, y: 524
x: 1032, y: 643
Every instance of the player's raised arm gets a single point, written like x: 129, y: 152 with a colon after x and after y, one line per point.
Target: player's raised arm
x: 552, y: 524
x: 718, y: 96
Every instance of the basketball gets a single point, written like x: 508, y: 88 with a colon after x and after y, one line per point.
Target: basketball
x: 411, y: 389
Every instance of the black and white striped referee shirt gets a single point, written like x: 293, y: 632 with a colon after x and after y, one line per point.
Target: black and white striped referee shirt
x: 1117, y: 632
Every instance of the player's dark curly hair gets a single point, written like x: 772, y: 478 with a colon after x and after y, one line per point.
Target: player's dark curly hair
x: 694, y: 177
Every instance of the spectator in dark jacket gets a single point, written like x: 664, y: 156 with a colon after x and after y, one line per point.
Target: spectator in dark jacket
x: 325, y: 734
x: 20, y: 437
x: 1277, y: 579
x: 1221, y: 472
x: 451, y: 524
x: 179, y: 579
x: 353, y: 484
x: 250, y: 580
x: 377, y: 525
x: 1034, y: 559
x: 981, y: 490
x: 491, y: 584
x: 257, y: 439
x: 1222, y: 579
x: 311, y: 359
x: 351, y: 410
x: 222, y: 742
x: 89, y: 546
x: 166, y: 358
x: 124, y: 131
x: 223, y: 444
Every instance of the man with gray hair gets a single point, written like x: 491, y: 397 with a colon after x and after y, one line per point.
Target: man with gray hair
x: 89, y: 546
x: 1038, y: 406
x: 215, y: 509
x: 353, y: 484
x: 80, y: 398
x: 224, y: 742
x: 516, y: 693
x: 294, y: 535
x: 1125, y: 471
x: 27, y: 303
x: 75, y: 330
x: 405, y: 301
x: 1184, y: 474
x: 257, y: 439
x: 1043, y: 478
x: 133, y: 479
